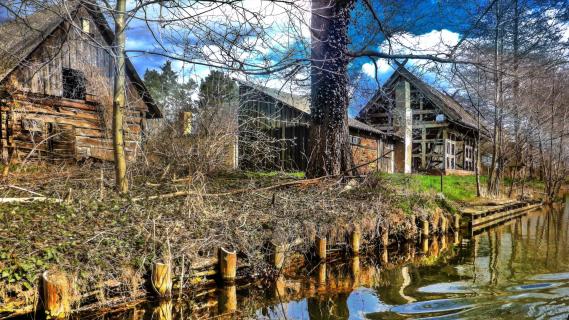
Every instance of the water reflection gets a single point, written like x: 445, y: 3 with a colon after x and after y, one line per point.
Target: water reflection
x: 517, y: 270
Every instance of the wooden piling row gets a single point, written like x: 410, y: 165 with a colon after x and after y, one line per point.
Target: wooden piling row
x: 56, y: 287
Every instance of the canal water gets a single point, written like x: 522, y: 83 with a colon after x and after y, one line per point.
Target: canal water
x: 517, y: 270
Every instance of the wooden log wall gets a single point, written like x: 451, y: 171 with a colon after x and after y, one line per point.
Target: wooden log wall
x: 33, y: 111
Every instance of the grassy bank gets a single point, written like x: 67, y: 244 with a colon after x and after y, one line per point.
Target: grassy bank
x: 459, y: 189
x: 98, y: 237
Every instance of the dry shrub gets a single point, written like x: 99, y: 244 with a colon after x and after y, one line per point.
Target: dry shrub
x: 186, y: 155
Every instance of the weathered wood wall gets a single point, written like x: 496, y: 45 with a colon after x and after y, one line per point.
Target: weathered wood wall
x: 35, y: 116
x: 287, y: 128
x: 367, y: 149
x: 430, y: 138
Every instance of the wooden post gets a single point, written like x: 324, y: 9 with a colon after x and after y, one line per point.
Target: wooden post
x: 322, y: 275
x: 435, y: 249
x: 425, y: 228
x: 164, y: 310
x: 355, y: 240
x: 56, y: 295
x: 321, y: 248
x: 278, y: 255
x: 227, y: 265
x: 409, y: 249
x: 227, y: 299
x: 456, y: 222
x: 456, y: 238
x: 405, y: 127
x: 425, y: 245
x: 385, y: 238
x: 162, y: 279
x: 444, y: 225
x: 384, y: 255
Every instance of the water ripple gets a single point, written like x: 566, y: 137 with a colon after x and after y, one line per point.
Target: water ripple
x: 433, y: 306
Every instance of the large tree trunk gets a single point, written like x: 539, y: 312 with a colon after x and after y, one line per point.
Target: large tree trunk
x: 494, y: 171
x: 330, y: 152
x: 515, y: 99
x: 119, y: 100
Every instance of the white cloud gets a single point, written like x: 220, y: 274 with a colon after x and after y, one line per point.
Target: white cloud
x: 382, y: 67
x: 434, y: 42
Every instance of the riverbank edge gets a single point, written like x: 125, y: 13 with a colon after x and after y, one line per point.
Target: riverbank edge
x: 206, y: 269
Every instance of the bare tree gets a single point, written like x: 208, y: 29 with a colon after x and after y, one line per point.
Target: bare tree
x: 119, y: 99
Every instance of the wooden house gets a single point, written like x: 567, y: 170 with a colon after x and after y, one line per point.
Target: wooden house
x: 282, y: 119
x: 438, y: 133
x: 56, y: 84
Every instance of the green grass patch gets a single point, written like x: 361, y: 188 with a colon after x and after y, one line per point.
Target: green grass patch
x: 455, y: 188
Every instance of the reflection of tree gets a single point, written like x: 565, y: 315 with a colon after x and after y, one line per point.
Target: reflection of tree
x: 329, y: 308
x: 538, y: 245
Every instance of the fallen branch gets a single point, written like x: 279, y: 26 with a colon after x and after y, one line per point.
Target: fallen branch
x: 233, y: 192
x: 28, y: 199
x: 26, y: 190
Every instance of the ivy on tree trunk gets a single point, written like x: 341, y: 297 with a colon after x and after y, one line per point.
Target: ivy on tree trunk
x: 330, y: 152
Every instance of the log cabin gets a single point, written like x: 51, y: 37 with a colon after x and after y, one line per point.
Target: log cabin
x: 438, y: 134
x: 273, y: 133
x: 57, y: 74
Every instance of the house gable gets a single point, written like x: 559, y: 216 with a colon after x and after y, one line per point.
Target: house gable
x: 53, y: 41
x: 439, y: 101
x: 57, y: 96
x: 437, y: 132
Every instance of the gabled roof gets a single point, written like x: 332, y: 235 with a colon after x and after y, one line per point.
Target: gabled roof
x: 302, y: 104
x: 299, y: 102
x: 449, y: 106
x: 19, y: 38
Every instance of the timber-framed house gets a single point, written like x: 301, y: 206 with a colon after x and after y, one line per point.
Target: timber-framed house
x: 438, y: 134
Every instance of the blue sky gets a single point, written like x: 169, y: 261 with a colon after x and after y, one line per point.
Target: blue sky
x: 429, y: 25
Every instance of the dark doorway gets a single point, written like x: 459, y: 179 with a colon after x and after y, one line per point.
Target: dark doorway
x: 73, y: 84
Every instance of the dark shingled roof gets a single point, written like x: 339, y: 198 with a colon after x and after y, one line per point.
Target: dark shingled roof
x: 19, y: 38
x: 302, y: 104
x: 299, y: 102
x: 450, y: 107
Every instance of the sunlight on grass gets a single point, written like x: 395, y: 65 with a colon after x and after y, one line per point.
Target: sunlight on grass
x: 455, y: 188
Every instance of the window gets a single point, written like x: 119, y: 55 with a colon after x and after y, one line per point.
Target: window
x: 73, y: 84
x: 355, y: 140
x: 85, y: 25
